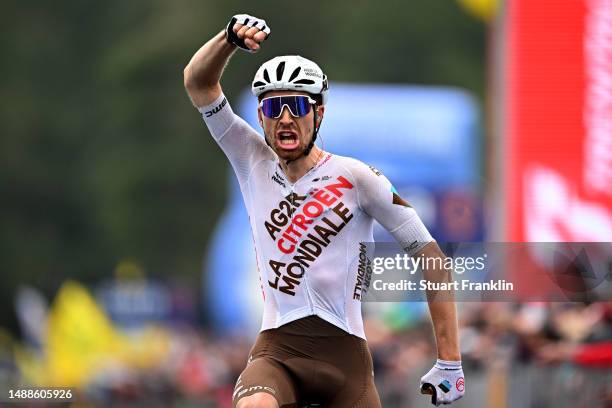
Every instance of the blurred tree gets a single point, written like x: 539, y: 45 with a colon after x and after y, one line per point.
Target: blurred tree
x: 102, y: 156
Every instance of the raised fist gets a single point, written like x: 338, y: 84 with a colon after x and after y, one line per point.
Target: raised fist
x: 247, y: 32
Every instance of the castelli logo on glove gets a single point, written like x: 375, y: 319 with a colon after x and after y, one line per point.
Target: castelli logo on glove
x: 460, y: 384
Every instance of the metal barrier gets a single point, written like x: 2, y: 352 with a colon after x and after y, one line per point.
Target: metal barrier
x: 511, y: 386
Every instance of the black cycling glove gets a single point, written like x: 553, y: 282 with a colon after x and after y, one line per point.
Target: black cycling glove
x: 247, y: 20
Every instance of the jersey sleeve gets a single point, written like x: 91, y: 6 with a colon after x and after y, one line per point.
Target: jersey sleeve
x: 378, y: 198
x: 242, y: 145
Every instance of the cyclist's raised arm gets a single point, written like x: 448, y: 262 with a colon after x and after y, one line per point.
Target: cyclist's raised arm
x: 203, y: 73
x: 201, y: 76
x: 240, y: 142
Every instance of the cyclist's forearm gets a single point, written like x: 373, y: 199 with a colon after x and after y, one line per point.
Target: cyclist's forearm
x: 444, y: 317
x: 442, y: 307
x: 203, y: 73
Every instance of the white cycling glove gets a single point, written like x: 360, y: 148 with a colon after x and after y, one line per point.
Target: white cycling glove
x: 444, y: 382
x: 246, y: 20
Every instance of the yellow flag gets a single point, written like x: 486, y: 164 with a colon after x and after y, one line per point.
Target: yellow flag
x: 80, y: 338
x: 82, y: 342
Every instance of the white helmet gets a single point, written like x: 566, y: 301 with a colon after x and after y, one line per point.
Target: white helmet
x: 290, y: 72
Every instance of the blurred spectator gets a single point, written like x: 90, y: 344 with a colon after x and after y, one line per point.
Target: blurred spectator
x: 507, y: 348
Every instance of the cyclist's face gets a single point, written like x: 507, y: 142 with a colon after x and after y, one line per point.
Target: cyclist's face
x: 289, y: 136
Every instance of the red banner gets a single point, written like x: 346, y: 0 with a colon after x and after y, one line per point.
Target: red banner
x: 558, y: 132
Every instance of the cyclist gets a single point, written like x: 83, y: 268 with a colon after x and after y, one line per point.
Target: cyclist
x: 309, y: 211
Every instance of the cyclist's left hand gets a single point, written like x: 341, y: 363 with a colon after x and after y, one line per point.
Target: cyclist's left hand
x: 444, y: 382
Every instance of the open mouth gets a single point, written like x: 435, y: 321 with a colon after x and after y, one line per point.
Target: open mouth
x: 287, y: 140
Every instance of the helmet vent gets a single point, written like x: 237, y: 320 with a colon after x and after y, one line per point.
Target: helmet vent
x: 305, y: 81
x: 259, y: 83
x: 266, y: 76
x: 279, y: 71
x: 294, y: 74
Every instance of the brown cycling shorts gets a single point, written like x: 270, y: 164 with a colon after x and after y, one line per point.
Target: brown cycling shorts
x: 310, y: 361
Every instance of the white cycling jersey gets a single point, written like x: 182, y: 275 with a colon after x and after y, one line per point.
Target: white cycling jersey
x: 309, y: 235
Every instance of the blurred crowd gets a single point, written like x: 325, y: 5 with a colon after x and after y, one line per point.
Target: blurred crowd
x: 524, y: 355
x: 515, y: 355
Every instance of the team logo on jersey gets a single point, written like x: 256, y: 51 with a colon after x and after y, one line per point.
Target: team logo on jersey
x: 364, y: 273
x: 278, y: 179
x: 375, y: 170
x: 412, y: 246
x: 300, y: 230
x: 216, y: 109
x: 323, y: 178
x: 240, y: 390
